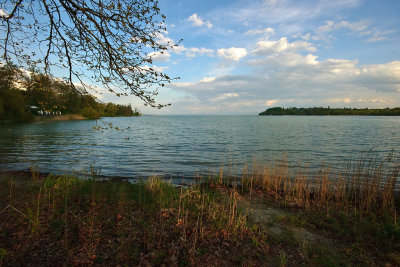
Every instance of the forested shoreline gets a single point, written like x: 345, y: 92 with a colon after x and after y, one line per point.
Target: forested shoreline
x: 24, y: 97
x: 321, y: 111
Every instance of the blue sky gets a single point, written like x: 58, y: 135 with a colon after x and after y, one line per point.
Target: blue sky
x: 242, y: 56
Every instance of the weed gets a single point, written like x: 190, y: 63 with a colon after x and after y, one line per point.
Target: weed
x: 34, y: 172
x: 282, y: 259
x: 318, y: 255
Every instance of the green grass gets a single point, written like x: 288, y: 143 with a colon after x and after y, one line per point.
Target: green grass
x: 65, y: 219
x: 88, y: 221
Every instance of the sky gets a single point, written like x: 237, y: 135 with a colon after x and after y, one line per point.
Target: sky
x: 243, y: 56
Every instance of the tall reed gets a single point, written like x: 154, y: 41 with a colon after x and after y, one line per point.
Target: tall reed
x: 369, y: 184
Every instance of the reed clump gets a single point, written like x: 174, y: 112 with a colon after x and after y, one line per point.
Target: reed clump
x: 367, y: 185
x: 359, y: 205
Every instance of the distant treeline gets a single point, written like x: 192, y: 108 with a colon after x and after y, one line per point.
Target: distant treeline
x: 332, y: 111
x: 44, y: 93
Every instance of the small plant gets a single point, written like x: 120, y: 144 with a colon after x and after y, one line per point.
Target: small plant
x: 153, y: 184
x: 11, y: 187
x: 33, y: 214
x: 3, y: 253
x: 94, y: 174
x: 282, y: 260
x: 34, y: 172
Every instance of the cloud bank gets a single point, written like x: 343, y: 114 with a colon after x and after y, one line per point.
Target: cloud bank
x: 285, y: 73
x: 267, y: 53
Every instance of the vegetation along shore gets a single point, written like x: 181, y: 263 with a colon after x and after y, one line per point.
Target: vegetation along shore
x: 332, y: 111
x: 37, y: 96
x: 267, y: 216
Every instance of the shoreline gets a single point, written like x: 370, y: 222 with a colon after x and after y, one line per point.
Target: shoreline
x: 66, y: 117
x: 345, y: 172
x: 176, y: 181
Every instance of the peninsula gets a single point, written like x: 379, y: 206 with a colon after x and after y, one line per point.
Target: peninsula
x: 321, y: 111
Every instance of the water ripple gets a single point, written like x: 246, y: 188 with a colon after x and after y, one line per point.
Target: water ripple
x: 185, y: 145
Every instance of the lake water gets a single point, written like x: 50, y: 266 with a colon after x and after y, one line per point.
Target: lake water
x: 183, y: 146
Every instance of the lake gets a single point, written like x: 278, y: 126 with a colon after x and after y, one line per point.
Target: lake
x: 183, y: 146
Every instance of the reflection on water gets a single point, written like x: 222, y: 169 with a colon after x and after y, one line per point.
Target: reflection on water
x: 180, y: 146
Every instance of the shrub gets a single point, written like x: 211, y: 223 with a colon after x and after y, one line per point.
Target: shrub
x: 90, y: 113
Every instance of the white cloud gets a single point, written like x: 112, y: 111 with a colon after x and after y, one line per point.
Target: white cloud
x: 306, y: 36
x: 329, y: 26
x: 285, y: 60
x: 361, y: 28
x: 271, y: 102
x: 233, y: 53
x: 292, y: 79
x: 156, y: 68
x: 207, y: 79
x: 178, y: 49
x: 282, y: 45
x: 163, y: 56
x: 266, y: 31
x: 271, y: 3
x: 262, y: 69
x: 197, y: 21
x: 181, y: 84
x: 162, y: 39
x: 378, y: 35
x: 3, y: 13
x: 371, y: 101
x: 354, y: 26
x: 224, y: 96
x: 282, y: 12
x: 194, y: 51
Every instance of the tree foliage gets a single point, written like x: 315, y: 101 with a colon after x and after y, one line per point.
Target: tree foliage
x: 50, y: 95
x: 105, y: 42
x: 12, y: 100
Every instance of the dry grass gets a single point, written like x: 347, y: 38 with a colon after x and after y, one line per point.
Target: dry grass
x: 367, y: 185
x: 358, y: 206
